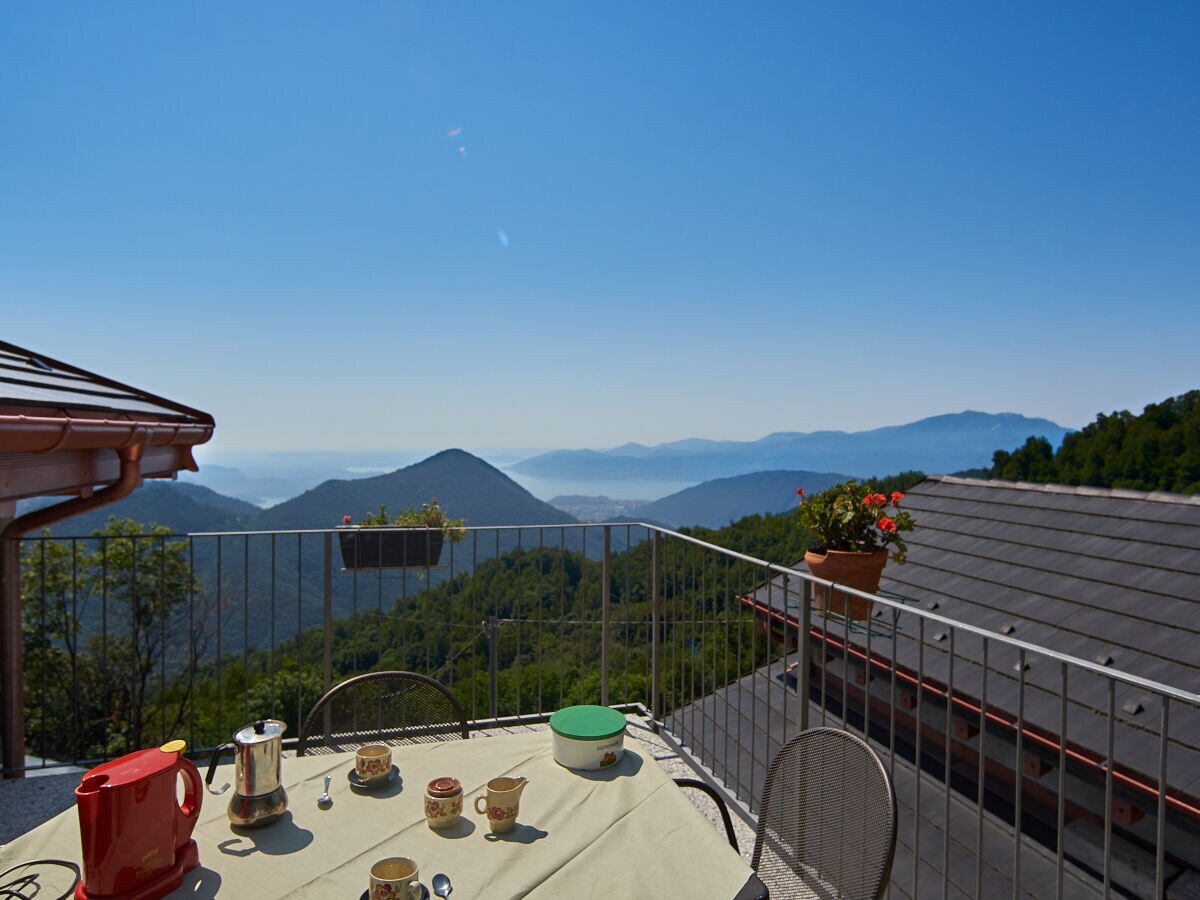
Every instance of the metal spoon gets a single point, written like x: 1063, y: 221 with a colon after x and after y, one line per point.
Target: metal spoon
x: 441, y: 885
x: 325, y: 801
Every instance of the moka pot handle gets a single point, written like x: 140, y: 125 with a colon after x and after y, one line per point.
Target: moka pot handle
x: 212, y: 768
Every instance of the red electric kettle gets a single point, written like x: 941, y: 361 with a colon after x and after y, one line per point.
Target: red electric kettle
x: 137, y: 837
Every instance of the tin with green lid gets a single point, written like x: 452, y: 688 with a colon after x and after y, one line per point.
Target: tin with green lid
x: 588, y: 737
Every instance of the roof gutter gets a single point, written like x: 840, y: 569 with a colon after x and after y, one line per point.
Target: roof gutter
x: 67, y: 431
x: 130, y: 477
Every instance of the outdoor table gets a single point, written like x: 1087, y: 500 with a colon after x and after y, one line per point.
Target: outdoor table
x: 620, y: 832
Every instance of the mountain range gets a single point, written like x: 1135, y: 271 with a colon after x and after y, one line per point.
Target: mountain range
x: 939, y: 444
x: 258, y: 571
x: 722, y: 501
x: 472, y: 488
x: 464, y: 484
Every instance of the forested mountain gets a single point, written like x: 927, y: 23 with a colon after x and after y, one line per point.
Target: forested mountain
x: 723, y: 501
x: 1158, y: 450
x: 947, y: 443
x: 464, y: 485
x: 181, y: 507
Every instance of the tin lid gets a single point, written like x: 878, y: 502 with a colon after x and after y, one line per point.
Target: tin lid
x: 444, y: 787
x: 260, y: 731
x: 587, y: 723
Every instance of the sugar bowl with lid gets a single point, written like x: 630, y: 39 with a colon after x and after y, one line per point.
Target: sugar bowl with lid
x: 443, y: 802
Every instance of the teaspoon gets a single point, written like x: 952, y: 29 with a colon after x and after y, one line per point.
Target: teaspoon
x: 325, y: 801
x: 441, y: 885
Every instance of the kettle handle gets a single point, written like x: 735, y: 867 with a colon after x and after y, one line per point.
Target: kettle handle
x: 212, y: 769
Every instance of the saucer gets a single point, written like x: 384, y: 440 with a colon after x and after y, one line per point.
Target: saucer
x: 371, y: 785
x: 366, y: 895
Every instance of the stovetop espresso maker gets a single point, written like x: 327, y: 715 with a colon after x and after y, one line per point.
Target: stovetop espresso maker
x: 258, y: 797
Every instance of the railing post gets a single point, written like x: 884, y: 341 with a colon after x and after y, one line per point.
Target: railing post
x: 655, y: 626
x: 12, y: 686
x: 492, y: 626
x: 327, y: 662
x: 804, y: 648
x: 605, y: 616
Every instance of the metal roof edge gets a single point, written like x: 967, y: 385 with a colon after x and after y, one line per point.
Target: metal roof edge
x: 1079, y: 490
x: 181, y: 409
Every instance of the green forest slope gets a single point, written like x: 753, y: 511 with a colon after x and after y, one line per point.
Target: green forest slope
x: 1158, y: 450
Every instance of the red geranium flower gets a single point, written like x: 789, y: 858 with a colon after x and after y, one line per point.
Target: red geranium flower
x: 345, y: 520
x: 874, y: 500
x: 886, y: 524
x: 896, y: 498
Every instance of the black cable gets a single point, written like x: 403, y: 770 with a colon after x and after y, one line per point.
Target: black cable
x: 24, y: 886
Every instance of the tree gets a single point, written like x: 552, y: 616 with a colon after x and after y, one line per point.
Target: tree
x: 132, y: 592
x: 1034, y: 461
x: 1158, y: 450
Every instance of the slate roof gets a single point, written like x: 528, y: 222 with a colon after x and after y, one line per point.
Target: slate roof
x: 1109, y: 576
x: 62, y: 428
x: 1090, y: 572
x: 28, y: 379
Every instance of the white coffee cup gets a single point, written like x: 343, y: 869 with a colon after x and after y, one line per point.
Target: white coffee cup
x: 395, y: 878
x: 373, y: 762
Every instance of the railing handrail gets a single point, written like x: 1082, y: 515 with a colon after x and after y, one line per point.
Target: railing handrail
x: 705, y: 614
x: 1016, y: 643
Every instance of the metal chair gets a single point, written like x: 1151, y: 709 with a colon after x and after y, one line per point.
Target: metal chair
x: 382, y: 707
x: 827, y: 822
x: 705, y: 788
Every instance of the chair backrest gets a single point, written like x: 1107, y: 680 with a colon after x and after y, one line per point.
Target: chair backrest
x: 827, y: 823
x: 382, y: 707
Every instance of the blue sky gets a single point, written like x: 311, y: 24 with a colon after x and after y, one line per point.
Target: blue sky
x: 394, y: 225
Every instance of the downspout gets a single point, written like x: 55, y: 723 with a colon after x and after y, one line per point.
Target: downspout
x: 12, y: 688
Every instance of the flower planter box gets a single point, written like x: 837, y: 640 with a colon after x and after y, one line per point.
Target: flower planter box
x: 861, y: 571
x: 390, y: 548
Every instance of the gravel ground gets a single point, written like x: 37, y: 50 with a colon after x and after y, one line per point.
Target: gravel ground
x: 26, y: 803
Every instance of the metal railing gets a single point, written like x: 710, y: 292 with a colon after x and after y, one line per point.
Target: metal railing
x: 1011, y: 761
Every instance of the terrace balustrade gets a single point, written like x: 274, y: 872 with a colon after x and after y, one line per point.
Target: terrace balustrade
x: 1012, y: 762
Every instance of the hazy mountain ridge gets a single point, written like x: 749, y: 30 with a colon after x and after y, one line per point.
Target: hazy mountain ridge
x: 945, y: 443
x: 464, y: 484
x: 471, y: 488
x: 722, y: 501
x: 182, y: 507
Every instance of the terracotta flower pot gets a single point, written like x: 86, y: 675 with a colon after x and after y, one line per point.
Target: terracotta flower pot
x: 860, y: 571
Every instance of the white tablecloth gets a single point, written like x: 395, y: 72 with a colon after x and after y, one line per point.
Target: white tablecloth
x: 624, y: 832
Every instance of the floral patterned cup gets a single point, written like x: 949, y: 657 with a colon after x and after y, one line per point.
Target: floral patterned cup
x: 443, y: 802
x: 395, y: 878
x: 502, y: 803
x: 373, y: 762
